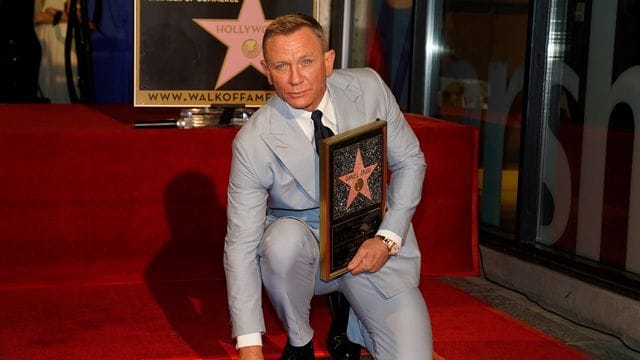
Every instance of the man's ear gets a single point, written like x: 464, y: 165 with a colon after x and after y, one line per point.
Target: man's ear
x: 267, y: 71
x: 329, y: 57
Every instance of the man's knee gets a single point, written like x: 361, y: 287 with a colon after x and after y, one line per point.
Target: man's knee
x: 286, y: 241
x: 399, y: 328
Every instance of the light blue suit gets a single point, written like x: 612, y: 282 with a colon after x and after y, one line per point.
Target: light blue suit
x: 273, y: 210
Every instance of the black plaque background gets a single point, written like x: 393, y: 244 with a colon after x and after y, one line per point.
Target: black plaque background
x: 177, y: 54
x: 346, y: 229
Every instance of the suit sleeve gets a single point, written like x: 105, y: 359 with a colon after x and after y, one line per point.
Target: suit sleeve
x: 246, y: 212
x: 406, y: 163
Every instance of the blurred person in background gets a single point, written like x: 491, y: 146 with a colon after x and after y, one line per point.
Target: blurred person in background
x: 50, y: 20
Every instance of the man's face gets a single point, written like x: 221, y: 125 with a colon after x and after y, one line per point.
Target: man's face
x: 297, y: 67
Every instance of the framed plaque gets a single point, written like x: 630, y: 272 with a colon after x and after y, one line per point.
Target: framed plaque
x: 353, y: 178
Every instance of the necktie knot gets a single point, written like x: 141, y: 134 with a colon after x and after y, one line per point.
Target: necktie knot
x: 316, y: 116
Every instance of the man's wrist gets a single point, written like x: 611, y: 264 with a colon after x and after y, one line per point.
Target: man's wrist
x: 250, y: 352
x: 391, y: 245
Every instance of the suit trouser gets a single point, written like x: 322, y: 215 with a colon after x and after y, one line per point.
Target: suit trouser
x: 390, y: 328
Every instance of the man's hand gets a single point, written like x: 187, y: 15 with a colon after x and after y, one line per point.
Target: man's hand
x: 250, y: 353
x: 371, y: 257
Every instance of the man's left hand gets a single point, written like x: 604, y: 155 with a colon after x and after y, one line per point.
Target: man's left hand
x: 371, y: 257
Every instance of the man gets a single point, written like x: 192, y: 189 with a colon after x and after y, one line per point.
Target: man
x: 273, y: 216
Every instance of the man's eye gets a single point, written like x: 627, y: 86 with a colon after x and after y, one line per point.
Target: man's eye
x: 281, y: 66
x: 306, y: 62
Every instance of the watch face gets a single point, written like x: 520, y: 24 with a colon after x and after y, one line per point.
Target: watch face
x: 390, y: 244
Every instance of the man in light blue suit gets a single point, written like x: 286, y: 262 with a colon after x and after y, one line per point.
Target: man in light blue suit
x: 273, y: 215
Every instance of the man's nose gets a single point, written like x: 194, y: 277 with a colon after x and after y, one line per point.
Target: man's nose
x: 295, y: 77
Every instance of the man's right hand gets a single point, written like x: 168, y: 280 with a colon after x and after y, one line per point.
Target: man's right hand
x: 250, y: 353
x: 370, y: 257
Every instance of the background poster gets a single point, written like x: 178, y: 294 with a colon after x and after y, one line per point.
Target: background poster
x: 201, y: 52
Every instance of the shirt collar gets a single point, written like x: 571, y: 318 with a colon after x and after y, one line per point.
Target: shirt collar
x: 303, y: 117
x: 324, y: 106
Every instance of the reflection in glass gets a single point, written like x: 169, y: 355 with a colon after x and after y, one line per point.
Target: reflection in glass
x: 590, y: 166
x: 481, y: 83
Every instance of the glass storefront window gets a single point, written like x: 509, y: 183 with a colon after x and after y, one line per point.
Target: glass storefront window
x: 481, y: 84
x: 590, y: 163
x: 560, y: 168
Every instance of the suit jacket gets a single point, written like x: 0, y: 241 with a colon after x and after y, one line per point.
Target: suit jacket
x: 271, y: 169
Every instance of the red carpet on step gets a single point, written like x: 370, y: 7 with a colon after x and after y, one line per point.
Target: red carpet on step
x: 188, y: 320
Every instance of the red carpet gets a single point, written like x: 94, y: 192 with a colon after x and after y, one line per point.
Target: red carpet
x: 111, y: 241
x: 188, y: 320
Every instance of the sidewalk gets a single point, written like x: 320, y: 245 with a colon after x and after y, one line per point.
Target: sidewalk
x: 591, y: 342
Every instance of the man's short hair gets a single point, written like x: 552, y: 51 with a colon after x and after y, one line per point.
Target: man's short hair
x: 289, y: 23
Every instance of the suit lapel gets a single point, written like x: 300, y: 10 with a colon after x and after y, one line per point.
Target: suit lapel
x: 347, y: 101
x: 291, y: 146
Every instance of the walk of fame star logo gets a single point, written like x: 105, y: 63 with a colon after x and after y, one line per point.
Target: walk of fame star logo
x: 358, y: 179
x: 241, y: 36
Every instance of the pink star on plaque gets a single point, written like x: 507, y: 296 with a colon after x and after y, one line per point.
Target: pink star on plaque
x: 358, y: 179
x: 242, y: 37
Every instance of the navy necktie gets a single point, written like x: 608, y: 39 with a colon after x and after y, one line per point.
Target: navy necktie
x: 319, y: 131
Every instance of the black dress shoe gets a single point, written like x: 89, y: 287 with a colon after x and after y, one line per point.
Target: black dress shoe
x: 338, y: 344
x: 298, y: 352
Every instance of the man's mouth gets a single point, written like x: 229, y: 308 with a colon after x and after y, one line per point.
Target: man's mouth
x: 295, y: 94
